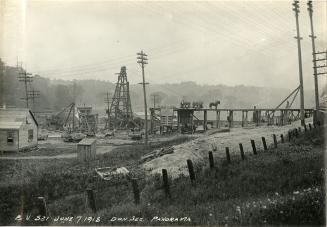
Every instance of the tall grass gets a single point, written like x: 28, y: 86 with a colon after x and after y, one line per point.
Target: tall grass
x: 239, y: 193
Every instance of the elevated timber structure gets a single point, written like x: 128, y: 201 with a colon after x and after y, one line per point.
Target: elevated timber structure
x: 120, y: 111
x: 189, y: 117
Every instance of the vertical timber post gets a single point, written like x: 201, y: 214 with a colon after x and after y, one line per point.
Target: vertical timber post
x: 178, y: 121
x: 142, y: 59
x: 264, y: 143
x: 136, y: 191
x: 165, y: 182
x: 298, y: 38
x: 275, y: 140
x: 242, y: 118
x: 42, y: 207
x: 254, y: 149
x: 227, y: 155
x: 246, y: 118
x: 242, y: 151
x: 218, y: 118
x: 91, y: 199
x: 151, y: 120
x: 191, y: 170
x: 205, y: 120
x: 211, y: 162
x: 313, y: 37
x: 282, y: 138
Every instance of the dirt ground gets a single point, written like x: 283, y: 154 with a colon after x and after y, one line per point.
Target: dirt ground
x: 197, y: 149
x: 55, y: 148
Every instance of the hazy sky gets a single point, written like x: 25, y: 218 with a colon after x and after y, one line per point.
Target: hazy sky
x: 216, y: 42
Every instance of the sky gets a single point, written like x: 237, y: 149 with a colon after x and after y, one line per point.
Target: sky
x: 213, y: 42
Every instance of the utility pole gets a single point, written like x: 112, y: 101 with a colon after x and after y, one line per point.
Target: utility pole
x: 154, y: 99
x: 142, y: 60
x: 25, y: 78
x: 107, y: 101
x: 298, y: 38
x: 310, y: 10
x: 33, y: 94
x: 2, y: 72
x: 74, y: 96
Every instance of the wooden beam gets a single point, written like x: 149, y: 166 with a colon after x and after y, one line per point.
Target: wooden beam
x: 217, y: 118
x: 205, y: 120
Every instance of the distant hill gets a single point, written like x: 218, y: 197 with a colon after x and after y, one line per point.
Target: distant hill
x: 56, y: 94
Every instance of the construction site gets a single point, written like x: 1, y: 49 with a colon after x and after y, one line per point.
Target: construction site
x: 117, y: 154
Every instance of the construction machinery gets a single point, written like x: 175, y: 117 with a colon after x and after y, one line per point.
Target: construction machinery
x: 64, y: 119
x: 136, y: 134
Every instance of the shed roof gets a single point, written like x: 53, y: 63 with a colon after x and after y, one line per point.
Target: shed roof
x: 10, y: 125
x: 13, y: 118
x: 87, y: 141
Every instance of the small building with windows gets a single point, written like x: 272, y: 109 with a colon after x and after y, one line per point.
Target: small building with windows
x: 18, y: 129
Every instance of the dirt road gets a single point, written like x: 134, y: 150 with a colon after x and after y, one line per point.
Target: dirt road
x: 100, y: 150
x: 197, y: 150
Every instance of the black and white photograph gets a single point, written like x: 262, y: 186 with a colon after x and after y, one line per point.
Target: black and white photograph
x: 163, y: 113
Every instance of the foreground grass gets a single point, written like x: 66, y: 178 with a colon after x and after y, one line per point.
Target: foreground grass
x: 282, y: 186
x: 60, y: 178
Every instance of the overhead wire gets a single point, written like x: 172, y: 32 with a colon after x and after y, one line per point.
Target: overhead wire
x: 92, y: 68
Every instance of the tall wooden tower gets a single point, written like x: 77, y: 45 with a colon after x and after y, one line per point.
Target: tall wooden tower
x: 120, y: 111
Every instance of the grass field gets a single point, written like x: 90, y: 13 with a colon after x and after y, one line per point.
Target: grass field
x: 280, y: 186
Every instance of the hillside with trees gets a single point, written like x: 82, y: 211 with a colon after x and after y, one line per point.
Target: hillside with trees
x: 56, y: 94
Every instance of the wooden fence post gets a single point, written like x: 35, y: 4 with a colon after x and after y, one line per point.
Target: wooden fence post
x: 264, y: 143
x: 42, y: 206
x: 275, y: 140
x: 242, y: 151
x: 136, y: 191
x: 91, y: 199
x: 190, y: 170
x: 165, y: 182
x: 282, y: 138
x: 227, y: 155
x: 211, y: 163
x: 253, y: 147
x: 22, y: 208
x: 305, y: 128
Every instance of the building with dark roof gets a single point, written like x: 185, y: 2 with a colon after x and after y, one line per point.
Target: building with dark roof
x: 18, y: 129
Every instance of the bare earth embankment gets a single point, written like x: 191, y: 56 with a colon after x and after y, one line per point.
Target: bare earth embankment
x: 197, y: 149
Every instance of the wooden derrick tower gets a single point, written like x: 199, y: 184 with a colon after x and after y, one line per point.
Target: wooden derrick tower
x: 120, y: 111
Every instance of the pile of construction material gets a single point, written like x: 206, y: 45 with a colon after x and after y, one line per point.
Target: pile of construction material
x: 157, y: 153
x: 73, y: 137
x: 112, y: 174
x: 42, y: 137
